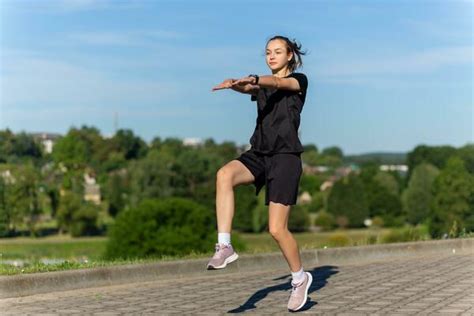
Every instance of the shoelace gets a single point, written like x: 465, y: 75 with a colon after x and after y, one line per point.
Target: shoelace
x: 217, y: 253
x: 295, y: 286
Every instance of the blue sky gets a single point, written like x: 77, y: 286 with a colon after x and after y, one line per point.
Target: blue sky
x: 383, y: 75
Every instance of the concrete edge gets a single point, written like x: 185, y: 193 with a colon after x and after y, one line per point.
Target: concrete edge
x: 45, y: 282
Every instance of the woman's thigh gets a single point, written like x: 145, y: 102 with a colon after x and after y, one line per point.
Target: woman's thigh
x: 236, y: 172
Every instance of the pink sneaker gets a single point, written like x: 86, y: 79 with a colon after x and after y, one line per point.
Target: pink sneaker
x: 299, y: 293
x: 224, y: 254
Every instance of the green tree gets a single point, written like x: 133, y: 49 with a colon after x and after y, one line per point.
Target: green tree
x: 347, y: 198
x: 418, y: 196
x: 310, y: 183
x: 435, y: 155
x: 131, y: 146
x: 333, y: 151
x: 84, y: 220
x: 453, y: 202
x: 117, y: 191
x: 318, y: 202
x: 25, y: 145
x: 387, y: 181
x: 260, y: 214
x: 466, y: 153
x: 388, y: 206
x: 69, y: 204
x: 5, y: 216
x: 245, y: 202
x: 298, y: 220
x: 151, y: 177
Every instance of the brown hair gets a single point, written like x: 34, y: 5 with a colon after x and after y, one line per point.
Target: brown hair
x: 291, y: 46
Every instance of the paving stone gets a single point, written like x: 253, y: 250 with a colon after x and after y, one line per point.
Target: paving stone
x: 427, y: 285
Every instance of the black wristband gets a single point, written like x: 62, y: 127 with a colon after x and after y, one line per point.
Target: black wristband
x: 256, y: 78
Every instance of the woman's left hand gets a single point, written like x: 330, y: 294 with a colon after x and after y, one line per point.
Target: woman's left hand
x: 244, y: 81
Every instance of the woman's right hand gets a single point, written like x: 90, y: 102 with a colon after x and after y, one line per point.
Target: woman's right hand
x: 226, y: 84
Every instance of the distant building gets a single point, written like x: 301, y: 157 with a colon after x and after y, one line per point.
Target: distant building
x: 307, y: 169
x: 7, y: 177
x: 399, y: 168
x: 304, y: 198
x: 193, y: 142
x: 47, y: 140
x: 91, y: 189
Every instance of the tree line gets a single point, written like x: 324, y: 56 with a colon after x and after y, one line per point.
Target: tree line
x: 36, y: 186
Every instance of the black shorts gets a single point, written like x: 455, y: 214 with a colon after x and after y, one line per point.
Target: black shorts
x: 280, y: 173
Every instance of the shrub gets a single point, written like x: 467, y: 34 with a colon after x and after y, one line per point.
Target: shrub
x: 377, y: 221
x: 84, y: 221
x: 339, y: 240
x: 298, y: 219
x: 325, y: 220
x: 405, y: 234
x: 172, y: 226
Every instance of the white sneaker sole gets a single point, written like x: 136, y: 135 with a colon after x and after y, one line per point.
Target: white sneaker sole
x: 310, y: 280
x: 228, y: 260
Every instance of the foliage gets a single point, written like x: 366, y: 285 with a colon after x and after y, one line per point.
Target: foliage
x: 298, y: 220
x: 348, y: 199
x: 157, y: 227
x: 418, y: 196
x: 453, y: 191
x: 325, y: 220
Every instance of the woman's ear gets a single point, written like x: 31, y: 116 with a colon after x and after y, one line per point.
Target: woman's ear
x: 291, y: 56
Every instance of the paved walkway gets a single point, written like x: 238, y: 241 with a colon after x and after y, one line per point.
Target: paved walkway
x: 415, y: 286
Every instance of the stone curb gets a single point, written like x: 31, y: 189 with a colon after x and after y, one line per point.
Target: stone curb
x: 35, y: 283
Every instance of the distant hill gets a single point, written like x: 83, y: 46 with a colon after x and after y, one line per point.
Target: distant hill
x: 380, y: 158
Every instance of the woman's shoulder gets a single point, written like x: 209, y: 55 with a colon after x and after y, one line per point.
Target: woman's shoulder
x: 302, y: 79
x: 297, y: 74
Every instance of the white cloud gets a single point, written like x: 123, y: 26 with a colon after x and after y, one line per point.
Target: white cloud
x: 35, y: 80
x: 387, y: 66
x: 71, y: 6
x: 125, y: 38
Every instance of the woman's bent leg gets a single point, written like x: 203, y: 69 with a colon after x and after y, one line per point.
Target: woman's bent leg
x: 230, y: 175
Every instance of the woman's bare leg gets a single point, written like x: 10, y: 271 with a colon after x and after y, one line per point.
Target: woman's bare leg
x: 278, y: 227
x: 229, y: 176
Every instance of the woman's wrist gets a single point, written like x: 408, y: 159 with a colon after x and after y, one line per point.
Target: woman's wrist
x: 256, y: 78
x: 269, y: 81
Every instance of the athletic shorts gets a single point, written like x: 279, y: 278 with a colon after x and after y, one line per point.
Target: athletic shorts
x: 280, y: 173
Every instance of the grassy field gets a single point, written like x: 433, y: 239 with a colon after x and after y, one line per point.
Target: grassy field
x: 87, y: 251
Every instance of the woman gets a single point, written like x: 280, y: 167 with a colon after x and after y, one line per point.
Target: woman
x: 273, y: 161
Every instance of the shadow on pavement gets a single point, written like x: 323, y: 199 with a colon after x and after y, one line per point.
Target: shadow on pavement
x: 320, y: 277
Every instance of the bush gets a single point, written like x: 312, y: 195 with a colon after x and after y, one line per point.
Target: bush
x: 339, y: 240
x: 298, y: 219
x: 84, y: 221
x: 377, y: 221
x: 405, y: 234
x: 260, y: 215
x: 325, y: 220
x: 172, y: 226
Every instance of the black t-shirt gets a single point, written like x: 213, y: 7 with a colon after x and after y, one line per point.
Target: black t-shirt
x: 278, y: 118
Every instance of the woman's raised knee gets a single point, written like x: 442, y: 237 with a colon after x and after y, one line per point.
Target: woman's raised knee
x: 224, y: 176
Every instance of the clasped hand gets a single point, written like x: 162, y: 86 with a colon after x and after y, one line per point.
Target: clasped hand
x: 230, y: 83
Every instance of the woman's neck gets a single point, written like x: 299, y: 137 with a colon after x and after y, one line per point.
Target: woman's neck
x: 281, y: 73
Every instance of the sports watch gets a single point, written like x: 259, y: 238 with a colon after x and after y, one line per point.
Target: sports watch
x: 255, y: 76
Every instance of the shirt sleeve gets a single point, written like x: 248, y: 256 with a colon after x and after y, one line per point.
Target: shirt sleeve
x: 302, y: 80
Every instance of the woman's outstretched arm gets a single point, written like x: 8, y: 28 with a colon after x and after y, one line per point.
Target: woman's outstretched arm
x: 242, y: 88
x: 270, y: 81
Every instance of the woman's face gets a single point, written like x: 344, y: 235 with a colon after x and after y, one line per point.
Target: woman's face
x: 276, y: 54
